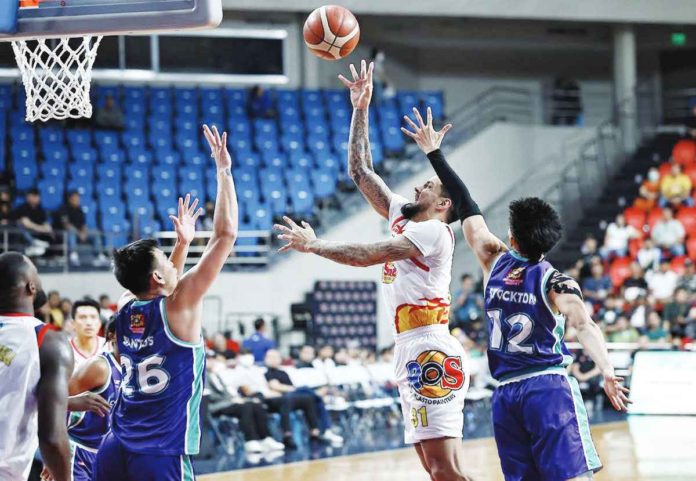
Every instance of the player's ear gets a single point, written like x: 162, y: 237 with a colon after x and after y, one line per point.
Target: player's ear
x: 158, y: 278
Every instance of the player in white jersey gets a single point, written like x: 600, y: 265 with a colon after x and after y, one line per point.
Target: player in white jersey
x: 431, y: 367
x: 35, y: 366
x: 86, y: 343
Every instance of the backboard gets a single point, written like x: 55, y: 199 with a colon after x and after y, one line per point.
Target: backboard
x: 75, y: 18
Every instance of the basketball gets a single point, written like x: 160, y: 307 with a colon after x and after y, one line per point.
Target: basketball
x: 331, y: 32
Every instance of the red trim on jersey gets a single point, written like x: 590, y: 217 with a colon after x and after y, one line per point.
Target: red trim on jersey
x: 420, y: 264
x: 16, y: 314
x: 42, y: 333
x: 397, y: 220
x: 451, y: 232
x: 96, y: 350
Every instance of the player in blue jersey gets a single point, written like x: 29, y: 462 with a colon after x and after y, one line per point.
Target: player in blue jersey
x: 539, y: 419
x: 156, y: 420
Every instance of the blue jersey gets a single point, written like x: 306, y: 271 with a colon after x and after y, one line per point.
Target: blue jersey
x: 86, y: 428
x: 526, y: 335
x: 158, y: 411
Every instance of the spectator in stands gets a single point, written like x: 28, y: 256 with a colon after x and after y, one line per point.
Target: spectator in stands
x: 676, y: 310
x: 662, y: 282
x: 624, y: 332
x: 589, y: 378
x: 5, y: 209
x: 649, y: 191
x: 648, y: 255
x: 56, y: 314
x: 655, y: 332
x: 468, y: 304
x: 258, y: 344
x: 675, y: 188
x: 687, y: 328
x: 610, y: 310
x: 32, y: 218
x: 106, y: 307
x: 66, y: 306
x: 230, y: 343
x: 616, y: 238
x: 220, y: 347
x: 325, y: 359
x: 260, y: 103
x: 597, y: 288
x: 688, y: 279
x: 306, y: 357
x: 71, y: 218
x: 110, y: 115
x: 589, y: 252
x: 639, y: 313
x: 280, y: 382
x: 668, y: 233
x: 252, y: 415
x: 635, y: 285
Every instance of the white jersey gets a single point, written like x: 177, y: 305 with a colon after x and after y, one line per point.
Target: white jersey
x: 20, y: 372
x: 82, y: 357
x: 416, y: 291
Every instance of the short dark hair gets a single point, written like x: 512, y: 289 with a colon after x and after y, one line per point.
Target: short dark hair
x: 103, y: 296
x: 110, y: 328
x: 134, y: 263
x: 535, y: 226
x: 465, y: 277
x: 84, y: 303
x: 259, y: 323
x: 33, y: 191
x: 451, y: 212
x: 72, y: 192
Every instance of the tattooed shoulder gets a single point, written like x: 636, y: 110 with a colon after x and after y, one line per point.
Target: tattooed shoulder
x: 561, y: 283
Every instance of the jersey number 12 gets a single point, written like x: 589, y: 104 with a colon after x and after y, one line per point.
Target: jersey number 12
x: 517, y: 336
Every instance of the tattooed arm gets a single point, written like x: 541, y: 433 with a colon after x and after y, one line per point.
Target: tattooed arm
x: 360, y: 166
x: 303, y: 239
x: 564, y: 292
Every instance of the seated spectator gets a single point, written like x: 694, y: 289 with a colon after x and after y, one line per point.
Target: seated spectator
x: 106, y: 307
x: 589, y: 253
x: 253, y: 384
x: 688, y: 279
x: 589, y: 378
x: 71, y: 218
x: 616, y: 238
x: 109, y: 116
x: 635, y: 285
x: 597, y: 288
x: 280, y: 382
x: 230, y: 343
x: 220, y: 347
x: 258, y: 344
x: 624, y: 332
x: 324, y: 360
x: 662, y: 282
x: 33, y: 219
x: 648, y: 255
x: 260, y: 104
x: 252, y: 415
x: 56, y: 314
x: 675, y: 188
x: 468, y: 305
x: 610, y: 311
x: 638, y: 313
x: 676, y: 310
x: 306, y: 357
x: 649, y: 191
x: 668, y: 233
x: 655, y: 332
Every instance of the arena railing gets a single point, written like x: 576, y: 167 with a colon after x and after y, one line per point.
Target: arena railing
x: 248, y: 254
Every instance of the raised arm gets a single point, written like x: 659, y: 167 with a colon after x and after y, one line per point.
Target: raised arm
x: 564, y: 293
x: 303, y: 239
x: 485, y: 245
x: 52, y: 398
x: 360, y: 166
x: 185, y: 228
x: 183, y: 306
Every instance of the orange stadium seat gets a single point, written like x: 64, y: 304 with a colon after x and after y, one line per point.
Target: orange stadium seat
x: 690, y: 170
x: 653, y: 216
x: 620, y: 270
x: 684, y: 152
x: 677, y: 265
x: 635, y: 217
x: 665, y: 168
x: 634, y: 246
x: 687, y: 216
x: 691, y: 248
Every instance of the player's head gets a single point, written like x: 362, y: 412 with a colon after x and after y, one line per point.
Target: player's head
x: 142, y: 268
x: 534, y: 227
x: 20, y: 285
x: 85, y: 314
x: 432, y: 198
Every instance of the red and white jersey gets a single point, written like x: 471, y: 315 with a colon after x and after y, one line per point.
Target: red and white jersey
x: 20, y: 371
x: 81, y: 356
x: 416, y: 290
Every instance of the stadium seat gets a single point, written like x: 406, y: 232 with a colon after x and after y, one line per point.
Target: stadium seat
x: 435, y: 101
x: 620, y: 270
x: 324, y: 183
x: 684, y: 152
x: 687, y: 216
x: 635, y: 217
x: 691, y: 248
x: 85, y: 189
x: 678, y: 265
x: 51, y: 193
x: 665, y: 168
x: 109, y: 172
x: 690, y: 170
x: 302, y: 203
x: 653, y: 216
x: 25, y: 176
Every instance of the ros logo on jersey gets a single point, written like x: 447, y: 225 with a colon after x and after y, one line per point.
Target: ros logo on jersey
x: 137, y: 323
x: 434, y: 375
x: 515, y: 277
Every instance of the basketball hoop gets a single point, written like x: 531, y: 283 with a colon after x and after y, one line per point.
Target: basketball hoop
x: 57, y: 79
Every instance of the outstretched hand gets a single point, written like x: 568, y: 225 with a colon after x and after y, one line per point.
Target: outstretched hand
x: 361, y: 86
x: 425, y: 135
x: 185, y: 220
x: 616, y: 392
x: 297, y: 238
x: 218, y: 147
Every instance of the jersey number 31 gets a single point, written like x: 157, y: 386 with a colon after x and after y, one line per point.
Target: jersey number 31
x: 520, y: 330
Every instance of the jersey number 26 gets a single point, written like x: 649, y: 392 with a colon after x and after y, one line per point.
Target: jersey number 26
x: 149, y: 378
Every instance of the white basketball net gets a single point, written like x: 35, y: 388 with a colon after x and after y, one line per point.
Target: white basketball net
x: 57, y: 79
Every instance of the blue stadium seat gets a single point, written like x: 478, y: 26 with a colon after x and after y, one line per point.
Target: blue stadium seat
x: 23, y: 153
x: 116, y: 230
x: 112, y: 209
x: 140, y: 209
x: 191, y: 173
x: 187, y: 109
x: 108, y: 193
x: 302, y: 202
x: 289, y: 113
x: 54, y: 169
x: 25, y: 176
x: 278, y: 201
x: 239, y: 129
x: 167, y: 157
x: 377, y: 153
x: 134, y: 110
x: 267, y: 144
x: 149, y: 228
x: 407, y: 100
x: 115, y: 156
x: 394, y: 142
x: 266, y: 126
x: 161, y: 140
x: 135, y: 123
x: 274, y: 159
x: 165, y: 209
x: 137, y: 191
x: 109, y: 172
x: 194, y: 187
x: 243, y: 176
x: 105, y: 138
x: 287, y: 97
x: 52, y: 136
x: 315, y: 114
x: 79, y: 137
x: 81, y: 172
x: 317, y: 130
x: 235, y: 95
x: 85, y: 189
x: 23, y: 133
x: 89, y: 207
x: 56, y: 155
x: 297, y: 180
x: 301, y: 160
x: 261, y: 217
x: 318, y: 147
x: 161, y: 94
x: 248, y: 194
x: 51, y: 193
x: 293, y: 130
x: 133, y: 94
x: 329, y: 161
x: 435, y: 101
x: 311, y: 97
x: 186, y: 141
x: 291, y: 145
x: 235, y: 111
x: 211, y: 95
x: 324, y: 183
x: 133, y: 140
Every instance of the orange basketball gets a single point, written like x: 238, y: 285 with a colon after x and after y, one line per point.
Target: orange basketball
x: 331, y: 32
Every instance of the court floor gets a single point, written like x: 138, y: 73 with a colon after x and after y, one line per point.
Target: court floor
x: 643, y: 448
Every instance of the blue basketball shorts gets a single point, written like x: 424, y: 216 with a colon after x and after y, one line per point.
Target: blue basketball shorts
x: 115, y: 463
x: 81, y: 462
x: 541, y: 429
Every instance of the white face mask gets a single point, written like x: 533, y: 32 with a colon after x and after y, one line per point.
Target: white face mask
x: 653, y: 176
x: 246, y: 360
